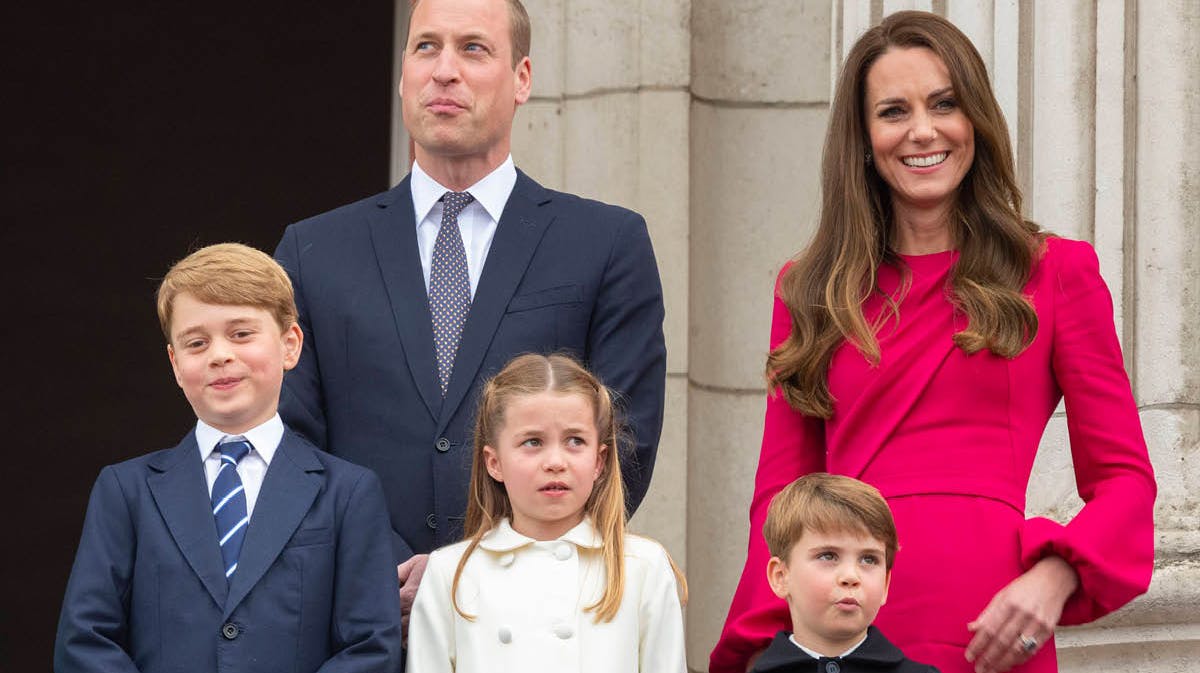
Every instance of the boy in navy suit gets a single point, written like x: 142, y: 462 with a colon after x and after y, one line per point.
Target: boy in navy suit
x: 832, y: 542
x: 243, y: 548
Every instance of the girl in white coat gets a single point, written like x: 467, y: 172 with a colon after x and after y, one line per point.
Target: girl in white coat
x: 547, y: 579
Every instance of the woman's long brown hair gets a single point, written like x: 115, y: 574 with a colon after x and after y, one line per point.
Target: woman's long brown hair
x: 826, y: 287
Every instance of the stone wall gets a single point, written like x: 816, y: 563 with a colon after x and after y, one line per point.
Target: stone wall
x: 707, y: 116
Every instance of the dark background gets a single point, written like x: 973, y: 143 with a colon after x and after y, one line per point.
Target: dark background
x: 135, y: 132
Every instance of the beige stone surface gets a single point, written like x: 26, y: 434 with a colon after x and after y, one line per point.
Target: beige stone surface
x: 602, y: 45
x: 725, y: 433
x: 665, y: 42
x: 761, y: 50
x: 1168, y: 203
x: 754, y: 204
x: 663, y: 513
x: 662, y: 198
x: 537, y: 141
x: 547, y: 50
x: 601, y: 147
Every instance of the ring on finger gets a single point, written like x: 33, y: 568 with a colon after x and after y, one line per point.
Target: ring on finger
x: 1028, y: 643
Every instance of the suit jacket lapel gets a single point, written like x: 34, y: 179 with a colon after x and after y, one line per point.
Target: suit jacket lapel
x: 521, y: 227
x: 292, y: 482
x: 394, y: 235
x: 902, y: 378
x: 180, y: 491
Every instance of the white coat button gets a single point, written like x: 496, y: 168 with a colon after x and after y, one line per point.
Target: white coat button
x: 563, y: 631
x: 505, y: 635
x: 506, y: 559
x: 563, y: 551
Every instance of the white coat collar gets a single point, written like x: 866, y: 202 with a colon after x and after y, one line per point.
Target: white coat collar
x: 503, y: 538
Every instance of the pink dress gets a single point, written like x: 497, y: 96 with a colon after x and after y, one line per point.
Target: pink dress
x: 950, y: 439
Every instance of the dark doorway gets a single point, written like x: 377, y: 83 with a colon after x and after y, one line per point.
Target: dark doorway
x: 135, y: 132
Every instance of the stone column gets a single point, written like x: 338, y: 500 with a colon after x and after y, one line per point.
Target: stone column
x: 760, y: 98
x: 608, y: 120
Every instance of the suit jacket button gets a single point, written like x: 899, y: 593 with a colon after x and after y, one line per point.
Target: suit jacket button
x: 832, y: 667
x: 431, y: 521
x: 442, y: 445
x: 230, y: 631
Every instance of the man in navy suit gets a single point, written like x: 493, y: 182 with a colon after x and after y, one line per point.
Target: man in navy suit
x: 243, y: 548
x: 546, y: 272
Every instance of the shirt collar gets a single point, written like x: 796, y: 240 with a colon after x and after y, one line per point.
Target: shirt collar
x: 818, y: 655
x: 264, y: 438
x: 503, y: 538
x: 492, y: 191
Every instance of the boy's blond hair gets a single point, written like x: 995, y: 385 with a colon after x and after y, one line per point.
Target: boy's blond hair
x: 229, y: 274
x: 828, y: 503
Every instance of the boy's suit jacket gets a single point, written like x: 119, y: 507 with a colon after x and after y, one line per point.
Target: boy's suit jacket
x: 563, y: 274
x: 315, y: 587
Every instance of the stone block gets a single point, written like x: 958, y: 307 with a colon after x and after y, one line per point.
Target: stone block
x: 665, y: 34
x: 601, y: 147
x: 663, y: 513
x: 662, y: 197
x: 537, y: 141
x: 547, y: 50
x: 602, y: 46
x: 724, y: 435
x: 754, y: 205
x: 761, y: 50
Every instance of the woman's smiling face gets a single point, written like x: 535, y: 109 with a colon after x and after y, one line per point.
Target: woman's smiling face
x: 922, y: 144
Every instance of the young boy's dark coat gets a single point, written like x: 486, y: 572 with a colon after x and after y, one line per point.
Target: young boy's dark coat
x: 875, y: 655
x: 315, y: 585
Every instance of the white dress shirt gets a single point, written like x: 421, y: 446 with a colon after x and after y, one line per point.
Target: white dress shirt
x: 264, y: 439
x: 528, y: 599
x: 477, y: 221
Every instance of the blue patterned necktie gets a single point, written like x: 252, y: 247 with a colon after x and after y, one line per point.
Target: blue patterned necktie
x: 229, y: 503
x: 449, y: 285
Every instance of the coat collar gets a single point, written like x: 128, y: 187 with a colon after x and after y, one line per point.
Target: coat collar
x: 783, y: 655
x: 503, y: 538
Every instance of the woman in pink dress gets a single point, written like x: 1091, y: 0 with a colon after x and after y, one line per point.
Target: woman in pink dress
x: 921, y: 343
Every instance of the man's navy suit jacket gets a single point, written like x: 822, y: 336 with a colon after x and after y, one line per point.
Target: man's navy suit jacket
x: 314, y: 588
x: 564, y: 274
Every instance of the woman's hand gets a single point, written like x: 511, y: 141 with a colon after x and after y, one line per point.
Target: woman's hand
x: 1021, y: 617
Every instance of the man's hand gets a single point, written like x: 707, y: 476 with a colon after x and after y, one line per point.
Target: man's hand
x: 409, y: 573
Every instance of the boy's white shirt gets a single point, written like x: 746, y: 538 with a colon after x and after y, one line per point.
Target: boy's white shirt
x: 818, y: 655
x: 252, y: 469
x: 528, y: 599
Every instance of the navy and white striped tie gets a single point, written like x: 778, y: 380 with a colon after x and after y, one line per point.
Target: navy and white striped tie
x: 229, y: 503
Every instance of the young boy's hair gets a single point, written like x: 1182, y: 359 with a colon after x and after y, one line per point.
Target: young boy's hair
x: 828, y: 503
x: 229, y: 274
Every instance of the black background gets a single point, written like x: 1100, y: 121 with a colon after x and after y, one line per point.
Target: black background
x: 135, y: 132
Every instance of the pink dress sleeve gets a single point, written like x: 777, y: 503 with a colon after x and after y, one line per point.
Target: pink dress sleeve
x: 1110, y: 542
x: 792, y: 445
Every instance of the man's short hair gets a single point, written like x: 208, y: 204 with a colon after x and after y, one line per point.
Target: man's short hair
x: 828, y: 503
x: 229, y: 274
x: 519, y: 29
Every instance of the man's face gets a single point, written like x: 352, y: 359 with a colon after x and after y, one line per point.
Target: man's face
x: 458, y: 85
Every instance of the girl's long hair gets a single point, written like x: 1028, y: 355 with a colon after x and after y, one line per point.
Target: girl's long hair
x: 826, y: 287
x: 487, y: 501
